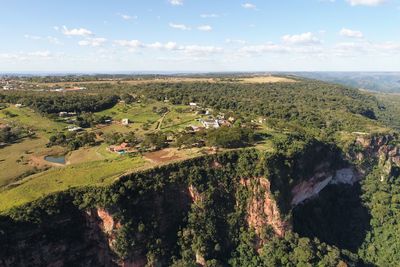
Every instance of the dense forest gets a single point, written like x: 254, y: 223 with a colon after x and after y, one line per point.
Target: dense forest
x: 54, y: 103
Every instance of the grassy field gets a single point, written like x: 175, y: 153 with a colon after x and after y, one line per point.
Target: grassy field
x: 88, y: 154
x: 255, y: 79
x: 15, y: 159
x: 177, y: 120
x: 137, y: 113
x: 95, y: 173
x: 266, y: 79
x: 140, y: 114
x: 85, y: 166
x: 29, y: 118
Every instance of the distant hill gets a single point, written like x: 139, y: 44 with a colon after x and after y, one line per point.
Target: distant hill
x: 373, y: 81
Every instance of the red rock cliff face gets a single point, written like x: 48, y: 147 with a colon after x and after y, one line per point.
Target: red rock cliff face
x: 102, y: 219
x: 381, y: 148
x: 262, y: 209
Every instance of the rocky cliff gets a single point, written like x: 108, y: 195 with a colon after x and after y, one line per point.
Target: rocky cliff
x: 191, y: 211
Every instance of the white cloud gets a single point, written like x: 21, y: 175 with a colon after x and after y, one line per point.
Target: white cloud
x: 41, y: 54
x: 306, y: 38
x: 53, y: 40
x: 76, y: 32
x: 127, y: 17
x: 204, y: 16
x: 351, y: 33
x: 167, y: 46
x: 32, y: 37
x: 265, y: 48
x: 94, y: 42
x: 182, y: 27
x: 132, y: 44
x: 50, y: 39
x: 198, y: 50
x: 205, y: 28
x: 363, y: 48
x: 235, y: 41
x: 176, y: 2
x: 366, y: 2
x: 249, y: 6
x: 188, y: 50
x: 25, y: 56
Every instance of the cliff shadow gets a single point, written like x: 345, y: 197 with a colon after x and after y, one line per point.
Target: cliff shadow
x: 337, y: 217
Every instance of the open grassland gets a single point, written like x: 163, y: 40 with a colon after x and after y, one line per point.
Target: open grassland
x: 95, y: 173
x: 16, y: 159
x: 29, y: 118
x: 133, y: 81
x: 26, y: 156
x: 137, y: 112
x: 255, y: 79
x: 88, y: 154
x: 177, y: 119
x: 141, y: 114
x: 266, y: 79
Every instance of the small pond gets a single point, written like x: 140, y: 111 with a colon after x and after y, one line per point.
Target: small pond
x: 55, y: 159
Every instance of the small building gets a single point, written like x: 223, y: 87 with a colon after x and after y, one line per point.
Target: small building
x: 224, y: 123
x: 121, y: 149
x: 125, y: 121
x: 192, y: 104
x: 196, y: 128
x: 66, y: 114
x: 73, y: 128
x: 210, y: 124
x: 18, y: 105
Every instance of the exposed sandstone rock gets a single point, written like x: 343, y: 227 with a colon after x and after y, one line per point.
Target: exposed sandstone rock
x: 262, y: 209
x: 200, y: 259
x: 194, y: 194
x: 312, y: 187
x: 105, y: 222
x: 380, y: 148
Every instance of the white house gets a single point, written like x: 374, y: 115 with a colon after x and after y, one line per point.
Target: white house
x: 192, y: 104
x: 125, y: 121
x: 210, y: 123
x: 73, y: 128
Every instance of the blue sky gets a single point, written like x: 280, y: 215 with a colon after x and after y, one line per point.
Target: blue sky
x: 199, y: 35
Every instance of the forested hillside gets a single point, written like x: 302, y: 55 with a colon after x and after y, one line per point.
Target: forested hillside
x: 316, y: 185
